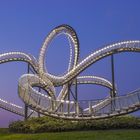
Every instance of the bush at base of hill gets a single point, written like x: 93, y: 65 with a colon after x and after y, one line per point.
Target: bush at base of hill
x: 48, y: 124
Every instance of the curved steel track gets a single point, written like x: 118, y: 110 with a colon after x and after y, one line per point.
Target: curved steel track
x: 59, y: 106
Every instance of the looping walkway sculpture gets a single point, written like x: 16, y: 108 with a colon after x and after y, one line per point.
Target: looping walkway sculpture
x: 59, y: 106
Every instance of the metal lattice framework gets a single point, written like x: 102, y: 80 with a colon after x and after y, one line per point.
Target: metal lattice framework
x: 60, y: 106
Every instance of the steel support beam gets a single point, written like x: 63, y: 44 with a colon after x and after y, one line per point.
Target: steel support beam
x: 113, y: 76
x: 26, y: 106
x: 69, y: 85
x: 26, y: 111
x: 113, y: 94
x: 76, y: 90
x: 39, y: 101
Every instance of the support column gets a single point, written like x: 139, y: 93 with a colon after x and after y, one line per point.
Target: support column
x: 76, y: 98
x: 39, y: 100
x: 113, y: 76
x: 68, y: 91
x: 76, y: 90
x: 26, y: 106
x: 113, y: 94
x: 69, y: 97
x: 26, y: 112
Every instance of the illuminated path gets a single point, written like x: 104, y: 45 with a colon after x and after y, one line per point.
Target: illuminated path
x: 16, y: 109
x: 11, y: 107
x: 59, y: 106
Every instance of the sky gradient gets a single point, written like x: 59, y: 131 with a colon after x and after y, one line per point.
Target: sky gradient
x: 25, y: 24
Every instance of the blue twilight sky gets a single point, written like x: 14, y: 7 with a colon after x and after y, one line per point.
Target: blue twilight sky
x: 24, y: 25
